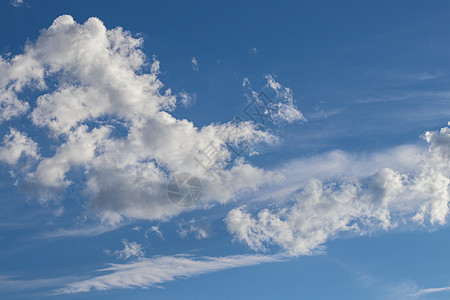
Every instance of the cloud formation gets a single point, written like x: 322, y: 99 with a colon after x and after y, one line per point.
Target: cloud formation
x: 280, y: 109
x: 325, y: 208
x: 15, y: 145
x: 200, y: 229
x: 102, y: 103
x: 150, y: 272
x: 130, y: 250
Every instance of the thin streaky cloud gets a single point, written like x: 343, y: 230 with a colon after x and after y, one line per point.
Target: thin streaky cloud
x: 88, y: 231
x: 152, y: 272
x: 431, y: 291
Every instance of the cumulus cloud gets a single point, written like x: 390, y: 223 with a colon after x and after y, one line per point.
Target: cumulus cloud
x: 15, y: 145
x: 97, y: 75
x: 111, y: 118
x: 432, y: 183
x: 324, y: 209
x: 155, y: 271
x: 319, y: 212
x: 10, y: 104
x: 79, y: 149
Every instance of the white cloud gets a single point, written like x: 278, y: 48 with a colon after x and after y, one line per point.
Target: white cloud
x: 319, y: 212
x: 285, y: 109
x: 246, y: 82
x: 154, y: 229
x: 432, y: 183
x: 130, y: 250
x: 194, y: 64
x: 17, y: 2
x: 10, y: 104
x: 78, y: 150
x: 112, y: 121
x: 186, y: 99
x: 199, y: 229
x: 323, y: 209
x: 149, y: 272
x: 339, y: 165
x: 15, y: 145
x: 137, y: 228
x: 92, y: 230
x: 91, y: 62
x: 427, y: 291
x: 282, y: 108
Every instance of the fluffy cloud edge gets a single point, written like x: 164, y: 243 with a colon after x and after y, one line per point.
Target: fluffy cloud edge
x: 126, y: 141
x: 322, y: 209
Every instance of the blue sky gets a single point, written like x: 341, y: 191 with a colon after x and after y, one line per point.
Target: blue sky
x: 342, y: 193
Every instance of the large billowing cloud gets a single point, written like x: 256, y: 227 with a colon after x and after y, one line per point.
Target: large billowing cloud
x: 102, y: 102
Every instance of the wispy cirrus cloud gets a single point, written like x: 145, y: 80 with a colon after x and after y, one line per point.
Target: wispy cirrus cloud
x: 427, y: 291
x: 151, y: 272
x: 80, y: 231
x: 130, y: 250
x: 27, y: 288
